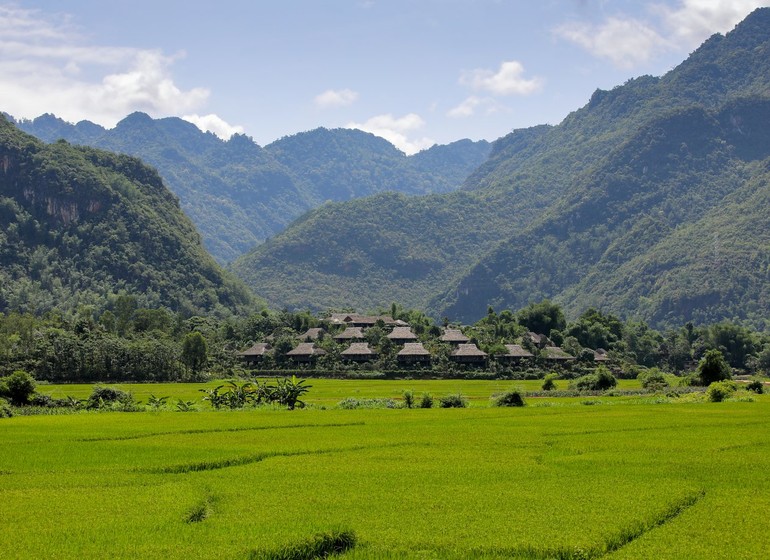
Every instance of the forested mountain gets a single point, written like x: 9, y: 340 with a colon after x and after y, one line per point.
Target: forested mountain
x: 81, y: 226
x: 239, y: 194
x: 633, y: 204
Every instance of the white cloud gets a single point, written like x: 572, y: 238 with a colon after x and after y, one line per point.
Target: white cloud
x: 335, y: 98
x: 215, y: 124
x: 693, y: 21
x: 626, y: 42
x: 397, y: 131
x: 508, y: 80
x: 45, y: 67
x: 471, y: 105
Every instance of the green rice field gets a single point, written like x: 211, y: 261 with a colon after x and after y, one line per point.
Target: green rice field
x: 625, y: 478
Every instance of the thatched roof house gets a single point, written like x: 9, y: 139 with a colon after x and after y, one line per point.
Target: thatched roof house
x: 413, y: 352
x: 357, y: 320
x: 556, y: 354
x: 600, y: 355
x: 402, y: 335
x: 539, y: 340
x: 256, y: 353
x: 305, y: 352
x: 514, y: 353
x: 311, y: 334
x: 359, y: 352
x: 350, y: 333
x: 454, y: 336
x: 468, y: 354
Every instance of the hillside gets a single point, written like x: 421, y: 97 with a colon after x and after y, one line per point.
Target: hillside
x: 238, y: 194
x: 81, y: 225
x: 569, y: 209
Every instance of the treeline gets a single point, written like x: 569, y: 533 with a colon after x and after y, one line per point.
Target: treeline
x: 124, y: 342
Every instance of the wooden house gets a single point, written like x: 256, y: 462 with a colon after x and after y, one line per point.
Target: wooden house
x: 358, y: 320
x: 401, y: 335
x: 454, y: 337
x: 305, y: 352
x: 350, y: 333
x: 413, y: 353
x: 359, y: 352
x: 255, y: 354
x: 311, y: 335
x: 515, y: 353
x: 468, y: 354
x: 600, y: 355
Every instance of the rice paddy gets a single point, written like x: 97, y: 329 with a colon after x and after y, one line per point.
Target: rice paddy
x: 635, y: 480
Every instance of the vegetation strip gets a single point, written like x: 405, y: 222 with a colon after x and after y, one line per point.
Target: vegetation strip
x: 320, y: 545
x: 256, y: 458
x: 220, y: 430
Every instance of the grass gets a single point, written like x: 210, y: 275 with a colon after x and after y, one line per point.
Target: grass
x: 641, y: 480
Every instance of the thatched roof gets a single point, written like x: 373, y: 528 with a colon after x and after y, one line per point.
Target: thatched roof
x: 454, y: 335
x: 517, y: 351
x: 600, y: 355
x: 556, y: 353
x: 259, y: 349
x: 539, y: 340
x: 358, y: 319
x: 468, y: 350
x: 359, y: 349
x: 413, y: 349
x: 402, y: 333
x: 311, y: 334
x: 350, y: 333
x: 306, y: 349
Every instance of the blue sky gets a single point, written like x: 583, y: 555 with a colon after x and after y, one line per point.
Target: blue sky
x: 416, y: 72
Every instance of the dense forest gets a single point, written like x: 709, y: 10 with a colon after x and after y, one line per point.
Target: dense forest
x: 238, y: 194
x: 645, y: 203
x: 83, y: 227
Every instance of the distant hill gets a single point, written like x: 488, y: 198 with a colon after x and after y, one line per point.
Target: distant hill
x: 81, y: 225
x: 239, y: 194
x: 634, y: 204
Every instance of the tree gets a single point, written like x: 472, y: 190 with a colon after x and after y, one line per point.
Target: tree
x: 19, y: 387
x: 542, y: 317
x: 194, y: 351
x: 713, y: 367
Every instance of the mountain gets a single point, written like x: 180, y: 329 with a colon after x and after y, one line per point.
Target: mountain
x: 600, y: 210
x: 238, y: 194
x: 82, y: 225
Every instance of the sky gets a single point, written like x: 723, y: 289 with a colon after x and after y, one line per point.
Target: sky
x: 416, y: 72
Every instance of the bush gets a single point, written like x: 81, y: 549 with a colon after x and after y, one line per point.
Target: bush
x: 5, y: 410
x: 549, y: 383
x: 453, y: 401
x: 18, y: 387
x: 600, y: 380
x: 720, y: 390
x: 509, y: 398
x: 653, y: 378
x: 320, y: 545
x: 426, y: 401
x: 352, y: 403
x: 409, y: 398
x: 109, y: 397
x: 756, y: 386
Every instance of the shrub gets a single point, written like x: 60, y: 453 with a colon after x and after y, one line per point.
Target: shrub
x: 756, y: 386
x: 653, y: 378
x: 509, y: 398
x: 600, y: 380
x: 19, y: 387
x: 426, y: 401
x: 409, y: 398
x: 352, y: 403
x: 453, y: 401
x: 109, y: 397
x: 549, y: 383
x: 720, y: 390
x: 5, y: 410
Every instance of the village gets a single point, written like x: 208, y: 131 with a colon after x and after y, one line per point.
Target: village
x: 351, y: 334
